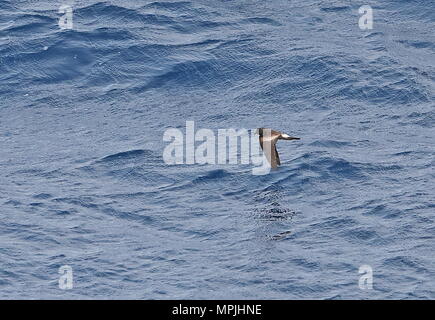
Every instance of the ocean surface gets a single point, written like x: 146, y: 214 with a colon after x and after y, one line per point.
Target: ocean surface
x: 83, y: 182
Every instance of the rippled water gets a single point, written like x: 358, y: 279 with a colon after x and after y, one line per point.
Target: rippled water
x: 83, y: 182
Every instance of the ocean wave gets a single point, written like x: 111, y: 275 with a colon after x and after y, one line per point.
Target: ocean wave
x: 84, y: 182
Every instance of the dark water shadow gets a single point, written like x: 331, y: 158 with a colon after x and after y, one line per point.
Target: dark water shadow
x: 271, y: 214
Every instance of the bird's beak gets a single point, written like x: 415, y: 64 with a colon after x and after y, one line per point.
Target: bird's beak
x: 294, y: 138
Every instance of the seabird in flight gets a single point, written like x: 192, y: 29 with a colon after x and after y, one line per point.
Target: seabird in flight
x: 268, y: 140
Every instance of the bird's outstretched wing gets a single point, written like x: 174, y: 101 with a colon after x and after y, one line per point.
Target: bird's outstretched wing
x: 268, y: 145
x: 277, y: 156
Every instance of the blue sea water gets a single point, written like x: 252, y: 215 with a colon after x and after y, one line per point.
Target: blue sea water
x: 83, y: 182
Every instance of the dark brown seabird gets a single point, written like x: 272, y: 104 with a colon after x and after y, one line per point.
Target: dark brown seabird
x: 268, y: 140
